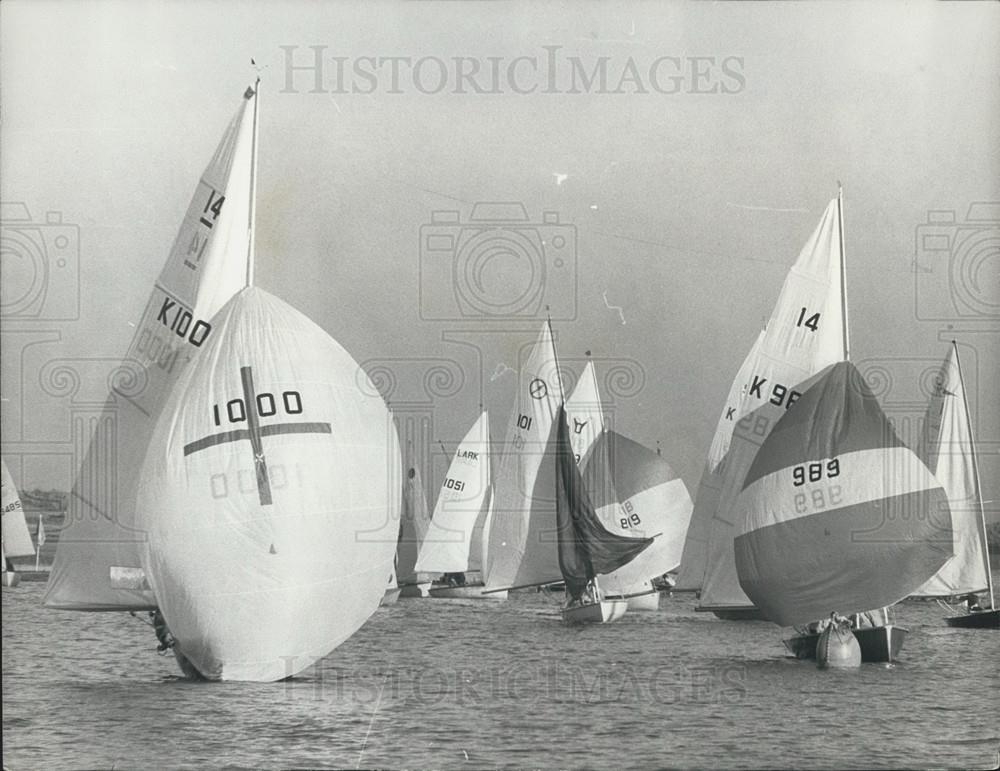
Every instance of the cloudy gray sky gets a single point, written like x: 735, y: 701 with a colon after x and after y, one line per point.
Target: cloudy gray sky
x: 684, y: 181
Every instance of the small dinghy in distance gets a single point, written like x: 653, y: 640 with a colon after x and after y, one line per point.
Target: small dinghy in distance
x: 828, y: 513
x: 948, y: 448
x: 16, y: 540
x: 457, y: 539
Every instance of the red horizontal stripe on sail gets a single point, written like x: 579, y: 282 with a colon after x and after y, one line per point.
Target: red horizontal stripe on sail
x: 850, y: 559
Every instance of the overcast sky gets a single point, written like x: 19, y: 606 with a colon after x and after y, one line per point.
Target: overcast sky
x: 683, y: 183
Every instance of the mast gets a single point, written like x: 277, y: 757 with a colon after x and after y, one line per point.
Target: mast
x: 252, y: 213
x: 843, y: 273
x: 975, y: 472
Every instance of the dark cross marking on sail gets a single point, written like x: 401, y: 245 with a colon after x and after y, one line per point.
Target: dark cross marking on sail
x: 538, y: 388
x: 579, y: 425
x: 256, y: 433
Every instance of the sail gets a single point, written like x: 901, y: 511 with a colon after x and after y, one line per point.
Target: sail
x: 207, y: 265
x: 522, y: 539
x: 460, y: 507
x: 270, y: 493
x: 644, y: 498
x: 805, y: 333
x: 16, y: 538
x: 413, y: 523
x: 583, y: 407
x: 586, y: 546
x: 947, y: 448
x: 836, y: 513
x: 480, y: 546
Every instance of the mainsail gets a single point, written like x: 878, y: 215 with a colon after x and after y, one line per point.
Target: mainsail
x: 451, y: 544
x: 270, y: 493
x: 806, y: 332
x: 16, y: 538
x: 947, y: 448
x: 695, y: 554
x: 586, y: 546
x: 583, y: 408
x: 208, y: 264
x: 522, y: 539
x: 413, y: 522
x: 836, y: 513
x: 644, y: 498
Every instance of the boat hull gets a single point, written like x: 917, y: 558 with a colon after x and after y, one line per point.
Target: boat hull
x: 410, y: 591
x: 467, y: 592
x: 750, y: 613
x: 647, y: 601
x: 984, y: 619
x: 11, y: 579
x: 603, y: 612
x: 877, y: 643
x: 390, y: 596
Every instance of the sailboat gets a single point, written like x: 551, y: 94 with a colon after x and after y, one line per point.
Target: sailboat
x: 545, y: 528
x: 267, y: 492
x: 807, y: 331
x: 948, y: 448
x: 645, y: 498
x: 635, y: 494
x: 392, y: 589
x: 97, y: 561
x: 414, y: 520
x: 16, y: 540
x: 833, y: 515
x: 457, y: 537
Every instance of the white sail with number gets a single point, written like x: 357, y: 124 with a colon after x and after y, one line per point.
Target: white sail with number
x: 270, y: 493
x: 16, y: 538
x: 451, y: 544
x: 96, y: 565
x: 583, y: 408
x: 522, y: 538
x: 807, y: 331
x: 695, y: 554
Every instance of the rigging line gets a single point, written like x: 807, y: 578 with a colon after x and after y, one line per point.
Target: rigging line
x: 371, y: 722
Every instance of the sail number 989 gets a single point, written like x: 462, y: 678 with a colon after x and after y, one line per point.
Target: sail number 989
x: 814, y: 472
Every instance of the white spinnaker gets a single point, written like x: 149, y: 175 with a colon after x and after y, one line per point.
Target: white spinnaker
x: 206, y: 266
x: 461, y: 504
x: 522, y: 538
x: 805, y: 333
x: 947, y: 448
x: 270, y: 493
x: 16, y: 538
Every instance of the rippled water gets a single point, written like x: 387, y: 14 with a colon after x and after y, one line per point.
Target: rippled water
x: 467, y: 684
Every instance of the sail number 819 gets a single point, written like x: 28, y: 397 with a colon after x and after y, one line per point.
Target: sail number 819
x: 814, y: 472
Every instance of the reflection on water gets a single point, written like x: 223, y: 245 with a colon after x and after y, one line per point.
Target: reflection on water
x: 466, y: 684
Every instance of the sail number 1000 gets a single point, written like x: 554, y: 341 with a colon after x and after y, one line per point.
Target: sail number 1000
x: 266, y: 404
